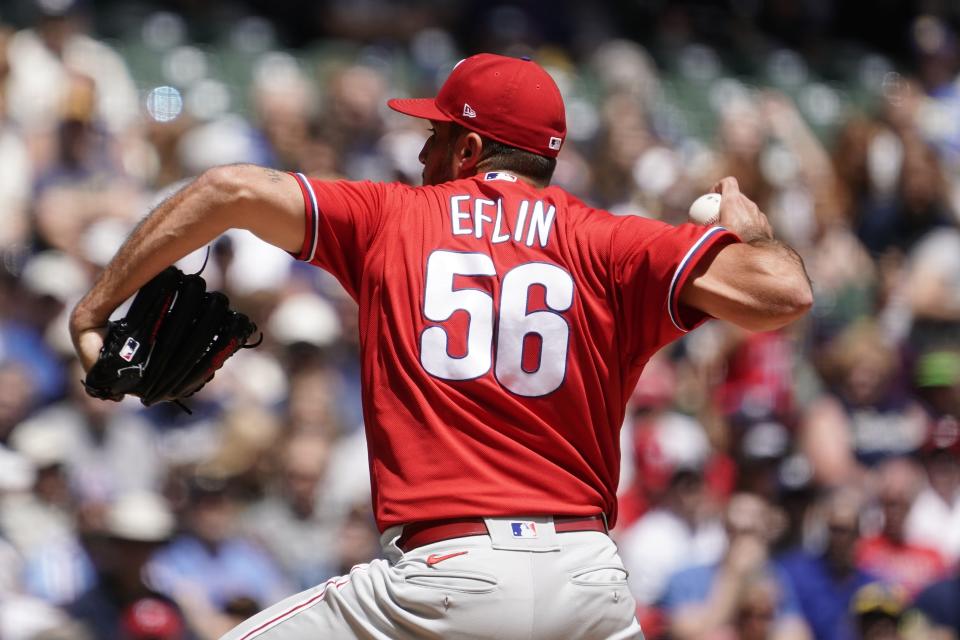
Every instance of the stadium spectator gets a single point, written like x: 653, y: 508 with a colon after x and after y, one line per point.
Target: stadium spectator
x: 43, y: 57
x: 845, y: 280
x: 284, y: 105
x: 352, y: 122
x: 934, y: 518
x: 758, y: 377
x: 825, y: 581
x: 887, y: 554
x: 23, y: 617
x: 761, y: 449
x: 44, y: 514
x: 879, y: 612
x: 930, y: 291
x: 135, y: 525
x: 14, y: 157
x: 741, y: 593
x: 295, y: 522
x: 106, y: 448
x: 678, y: 531
x: 83, y: 183
x: 210, y: 560
x: 649, y: 454
x: 866, y: 417
x: 938, y: 606
x: 755, y: 617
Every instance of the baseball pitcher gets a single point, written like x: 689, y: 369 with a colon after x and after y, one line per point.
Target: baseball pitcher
x: 503, y: 325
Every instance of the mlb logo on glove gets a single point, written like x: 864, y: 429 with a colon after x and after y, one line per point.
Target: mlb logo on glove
x: 175, y: 337
x: 524, y: 529
x: 129, y: 349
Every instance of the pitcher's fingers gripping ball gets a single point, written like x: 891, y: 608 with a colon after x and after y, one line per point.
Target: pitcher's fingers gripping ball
x: 172, y: 341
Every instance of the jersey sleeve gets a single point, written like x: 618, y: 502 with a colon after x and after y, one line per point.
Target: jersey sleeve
x: 341, y: 220
x: 652, y: 262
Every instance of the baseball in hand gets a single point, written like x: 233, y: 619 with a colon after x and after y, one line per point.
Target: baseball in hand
x: 705, y: 210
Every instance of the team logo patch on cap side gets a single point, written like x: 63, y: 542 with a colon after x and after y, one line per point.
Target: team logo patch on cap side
x: 555, y: 143
x: 524, y: 529
x: 129, y: 349
x: 468, y: 111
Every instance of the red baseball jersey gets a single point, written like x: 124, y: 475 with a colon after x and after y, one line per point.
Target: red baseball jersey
x: 502, y: 328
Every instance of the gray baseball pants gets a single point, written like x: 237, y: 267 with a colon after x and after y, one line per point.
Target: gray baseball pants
x: 560, y: 585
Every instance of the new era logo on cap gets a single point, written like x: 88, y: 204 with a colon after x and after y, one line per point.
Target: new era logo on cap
x: 468, y: 111
x: 555, y: 143
x: 524, y: 529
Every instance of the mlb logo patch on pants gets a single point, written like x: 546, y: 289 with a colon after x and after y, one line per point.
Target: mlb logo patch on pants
x: 524, y: 529
x: 533, y: 533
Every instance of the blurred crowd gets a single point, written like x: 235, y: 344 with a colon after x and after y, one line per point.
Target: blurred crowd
x: 796, y: 484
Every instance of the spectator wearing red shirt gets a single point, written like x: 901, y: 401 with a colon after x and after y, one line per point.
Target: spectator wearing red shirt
x: 887, y: 554
x: 659, y: 441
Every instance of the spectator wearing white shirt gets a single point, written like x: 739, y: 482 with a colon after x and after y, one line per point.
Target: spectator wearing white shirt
x: 934, y: 517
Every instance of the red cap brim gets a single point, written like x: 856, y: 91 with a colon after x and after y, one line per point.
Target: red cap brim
x: 425, y: 108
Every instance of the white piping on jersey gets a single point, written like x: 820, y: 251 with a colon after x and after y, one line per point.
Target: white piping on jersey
x: 315, y: 212
x: 679, y: 271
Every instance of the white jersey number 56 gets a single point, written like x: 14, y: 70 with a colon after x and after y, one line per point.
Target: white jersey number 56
x: 441, y: 300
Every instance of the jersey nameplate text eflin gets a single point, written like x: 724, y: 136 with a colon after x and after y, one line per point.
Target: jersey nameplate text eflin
x: 532, y: 222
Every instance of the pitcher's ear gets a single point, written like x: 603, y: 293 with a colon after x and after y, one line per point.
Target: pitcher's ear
x: 471, y: 145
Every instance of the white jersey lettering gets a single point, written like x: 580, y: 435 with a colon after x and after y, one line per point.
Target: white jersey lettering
x: 540, y: 224
x: 521, y: 220
x: 532, y: 225
x: 456, y: 215
x: 478, y: 216
x: 498, y: 235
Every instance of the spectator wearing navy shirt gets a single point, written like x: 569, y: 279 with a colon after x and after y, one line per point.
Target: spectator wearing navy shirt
x: 940, y: 605
x: 826, y: 582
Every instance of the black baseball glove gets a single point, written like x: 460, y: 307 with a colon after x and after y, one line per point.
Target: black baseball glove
x: 172, y: 341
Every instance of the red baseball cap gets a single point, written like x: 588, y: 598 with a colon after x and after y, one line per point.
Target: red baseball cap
x: 511, y: 100
x: 151, y: 618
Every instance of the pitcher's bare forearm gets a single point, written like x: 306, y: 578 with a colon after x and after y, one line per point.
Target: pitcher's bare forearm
x: 760, y: 285
x: 781, y: 251
x: 263, y: 201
